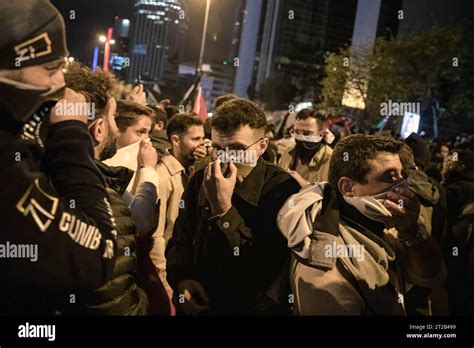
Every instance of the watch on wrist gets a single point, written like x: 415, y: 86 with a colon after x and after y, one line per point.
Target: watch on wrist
x: 420, y: 237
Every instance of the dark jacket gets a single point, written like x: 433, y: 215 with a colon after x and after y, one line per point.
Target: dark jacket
x: 57, y: 202
x: 460, y: 193
x: 160, y: 141
x: 432, y: 198
x: 240, y: 256
x: 121, y: 295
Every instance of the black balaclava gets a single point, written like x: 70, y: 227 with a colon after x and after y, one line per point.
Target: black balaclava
x: 32, y: 33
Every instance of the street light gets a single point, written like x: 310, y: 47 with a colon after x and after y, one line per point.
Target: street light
x: 107, y: 49
x: 95, y: 59
x: 203, y: 38
x: 107, y: 40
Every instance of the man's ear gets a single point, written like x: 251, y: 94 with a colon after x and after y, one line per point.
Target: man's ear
x: 263, y: 145
x: 98, y: 131
x: 346, y: 186
x: 174, y: 139
x: 159, y: 125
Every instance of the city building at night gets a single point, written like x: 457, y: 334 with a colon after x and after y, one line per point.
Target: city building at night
x: 292, y: 36
x: 223, y: 170
x: 155, y: 40
x: 119, y: 60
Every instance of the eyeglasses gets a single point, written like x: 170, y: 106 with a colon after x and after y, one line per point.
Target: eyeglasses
x: 302, y: 132
x: 236, y: 147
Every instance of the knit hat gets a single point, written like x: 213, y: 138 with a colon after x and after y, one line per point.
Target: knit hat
x: 32, y: 33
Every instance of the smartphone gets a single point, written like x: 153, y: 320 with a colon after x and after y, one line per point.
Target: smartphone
x: 225, y: 168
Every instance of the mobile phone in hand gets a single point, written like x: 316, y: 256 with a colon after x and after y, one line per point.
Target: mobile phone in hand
x: 225, y: 169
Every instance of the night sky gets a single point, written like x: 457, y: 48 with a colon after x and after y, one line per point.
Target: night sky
x: 93, y: 17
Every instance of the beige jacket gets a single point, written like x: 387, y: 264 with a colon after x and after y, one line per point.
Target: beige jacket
x: 347, y: 274
x: 173, y: 181
x: 316, y: 170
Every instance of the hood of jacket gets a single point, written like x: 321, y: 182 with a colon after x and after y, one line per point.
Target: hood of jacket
x: 295, y: 221
x: 421, y: 184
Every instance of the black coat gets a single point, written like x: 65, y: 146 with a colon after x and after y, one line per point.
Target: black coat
x: 238, y: 257
x: 121, y: 295
x: 459, y: 193
x: 57, y: 202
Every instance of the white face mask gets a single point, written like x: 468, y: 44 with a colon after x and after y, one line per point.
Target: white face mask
x: 372, y: 206
x: 308, y: 138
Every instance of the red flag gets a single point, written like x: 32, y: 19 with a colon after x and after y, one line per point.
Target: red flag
x: 200, y: 105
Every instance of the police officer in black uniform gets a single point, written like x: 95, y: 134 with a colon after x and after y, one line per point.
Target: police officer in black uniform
x: 57, y: 233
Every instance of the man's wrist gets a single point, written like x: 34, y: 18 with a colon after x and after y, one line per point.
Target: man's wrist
x: 221, y: 210
x: 414, y: 238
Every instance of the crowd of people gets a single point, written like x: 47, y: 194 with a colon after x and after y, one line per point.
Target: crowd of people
x: 214, y: 217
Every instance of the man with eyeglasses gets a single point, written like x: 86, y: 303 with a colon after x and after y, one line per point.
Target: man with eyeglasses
x: 307, y: 160
x: 226, y: 255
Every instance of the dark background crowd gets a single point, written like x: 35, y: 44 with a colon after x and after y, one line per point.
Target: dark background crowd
x: 142, y: 207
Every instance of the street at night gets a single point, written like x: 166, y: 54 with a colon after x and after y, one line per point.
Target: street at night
x: 276, y: 167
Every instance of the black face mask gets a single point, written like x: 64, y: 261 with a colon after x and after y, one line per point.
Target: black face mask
x: 305, y: 151
x: 20, y: 100
x: 37, y: 126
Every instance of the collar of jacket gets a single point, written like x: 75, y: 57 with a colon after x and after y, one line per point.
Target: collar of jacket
x: 316, y: 208
x: 251, y: 188
x: 157, y: 135
x: 116, y: 178
x: 172, y: 164
x: 318, y: 156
